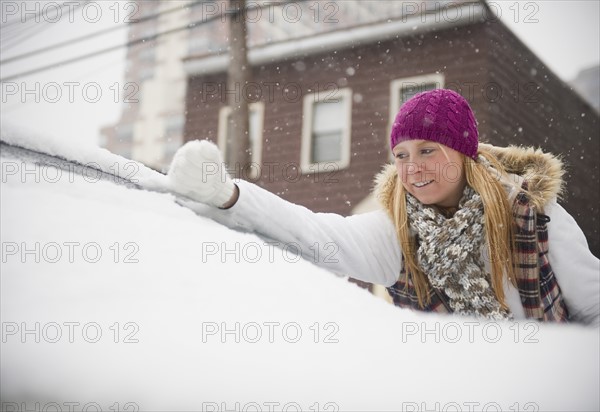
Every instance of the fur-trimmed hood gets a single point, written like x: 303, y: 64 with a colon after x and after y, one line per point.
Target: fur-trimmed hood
x: 542, y: 171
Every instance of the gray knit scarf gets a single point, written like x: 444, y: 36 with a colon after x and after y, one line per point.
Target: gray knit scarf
x: 449, y: 253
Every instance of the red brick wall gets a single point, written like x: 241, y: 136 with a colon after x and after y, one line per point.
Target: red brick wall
x: 543, y: 111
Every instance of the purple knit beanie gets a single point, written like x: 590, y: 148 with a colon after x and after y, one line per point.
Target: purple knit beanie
x: 439, y: 115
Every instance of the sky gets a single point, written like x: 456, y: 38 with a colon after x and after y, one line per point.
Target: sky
x: 563, y: 34
x: 74, y: 101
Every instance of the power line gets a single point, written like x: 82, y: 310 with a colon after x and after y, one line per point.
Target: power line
x: 25, y: 104
x: 96, y: 34
x: 134, y: 42
x: 17, y: 21
x: 20, y: 36
x: 9, y: 40
x: 85, y: 56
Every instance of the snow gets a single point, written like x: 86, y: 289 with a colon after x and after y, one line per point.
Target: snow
x: 331, y: 41
x: 171, y: 299
x: 86, y: 154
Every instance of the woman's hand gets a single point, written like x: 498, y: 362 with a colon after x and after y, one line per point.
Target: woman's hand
x: 198, y: 172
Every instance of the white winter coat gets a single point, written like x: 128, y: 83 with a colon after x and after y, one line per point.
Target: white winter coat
x: 366, y: 247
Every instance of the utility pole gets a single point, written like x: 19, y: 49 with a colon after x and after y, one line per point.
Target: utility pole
x: 238, y: 153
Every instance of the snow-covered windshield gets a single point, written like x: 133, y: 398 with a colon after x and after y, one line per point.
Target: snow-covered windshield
x: 118, y: 294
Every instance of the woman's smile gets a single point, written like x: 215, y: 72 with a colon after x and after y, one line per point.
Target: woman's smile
x: 430, y: 172
x: 423, y: 183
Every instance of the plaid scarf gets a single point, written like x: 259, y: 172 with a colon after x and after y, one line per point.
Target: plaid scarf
x: 449, y: 253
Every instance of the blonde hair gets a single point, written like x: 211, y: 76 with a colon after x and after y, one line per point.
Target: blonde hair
x: 499, y: 231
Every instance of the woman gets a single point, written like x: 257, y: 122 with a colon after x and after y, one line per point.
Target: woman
x: 464, y: 227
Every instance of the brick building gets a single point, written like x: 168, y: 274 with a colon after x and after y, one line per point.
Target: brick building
x: 322, y: 105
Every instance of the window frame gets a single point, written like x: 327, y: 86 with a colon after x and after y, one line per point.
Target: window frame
x: 306, y: 165
x: 397, y: 85
x: 257, y: 144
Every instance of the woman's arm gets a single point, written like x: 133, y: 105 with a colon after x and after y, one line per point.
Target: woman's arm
x: 364, y: 246
x: 576, y: 269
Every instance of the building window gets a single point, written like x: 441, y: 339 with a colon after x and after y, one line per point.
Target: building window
x: 199, y: 42
x: 174, y: 126
x: 403, y: 89
x: 147, y: 54
x: 145, y: 73
x: 326, y: 130
x: 173, y: 135
x: 124, y: 133
x: 256, y: 115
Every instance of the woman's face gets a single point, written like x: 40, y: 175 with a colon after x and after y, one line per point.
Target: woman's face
x: 432, y: 173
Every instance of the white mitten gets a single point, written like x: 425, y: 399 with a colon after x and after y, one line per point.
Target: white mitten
x: 198, y: 172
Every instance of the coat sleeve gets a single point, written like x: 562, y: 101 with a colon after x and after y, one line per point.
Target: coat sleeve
x: 576, y: 269
x: 364, y: 246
